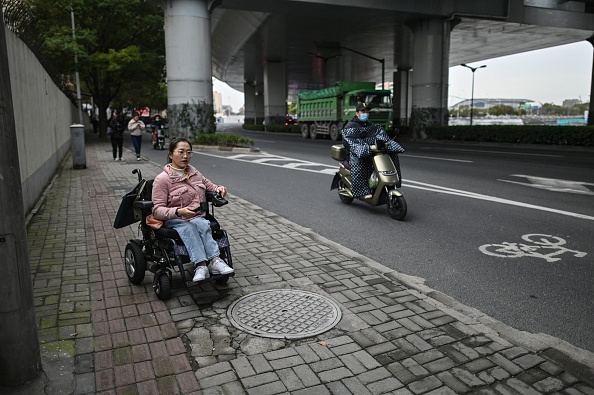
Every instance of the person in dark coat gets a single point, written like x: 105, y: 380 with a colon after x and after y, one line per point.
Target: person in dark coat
x: 357, y: 135
x: 116, y: 129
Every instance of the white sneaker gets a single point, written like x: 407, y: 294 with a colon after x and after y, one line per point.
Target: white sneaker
x: 121, y: 159
x: 218, y: 266
x: 201, y: 273
x: 115, y: 158
x: 138, y: 158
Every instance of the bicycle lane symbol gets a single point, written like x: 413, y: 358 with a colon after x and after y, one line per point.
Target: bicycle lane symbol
x: 546, y: 247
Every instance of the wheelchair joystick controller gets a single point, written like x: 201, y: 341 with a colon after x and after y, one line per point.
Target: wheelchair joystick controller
x: 218, y: 200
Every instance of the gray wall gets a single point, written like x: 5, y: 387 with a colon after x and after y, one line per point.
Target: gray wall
x: 43, y: 115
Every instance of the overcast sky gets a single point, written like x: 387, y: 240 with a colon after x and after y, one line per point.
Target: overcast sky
x: 548, y: 76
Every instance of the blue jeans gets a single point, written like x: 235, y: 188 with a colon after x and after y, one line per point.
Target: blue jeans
x: 197, y: 238
x: 136, y: 141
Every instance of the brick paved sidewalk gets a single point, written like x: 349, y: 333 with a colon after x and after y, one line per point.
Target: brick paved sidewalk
x: 101, y: 334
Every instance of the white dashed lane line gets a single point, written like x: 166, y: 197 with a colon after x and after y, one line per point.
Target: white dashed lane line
x: 320, y: 168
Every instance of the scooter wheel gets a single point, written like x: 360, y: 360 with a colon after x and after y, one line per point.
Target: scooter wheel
x: 343, y: 198
x: 397, y: 207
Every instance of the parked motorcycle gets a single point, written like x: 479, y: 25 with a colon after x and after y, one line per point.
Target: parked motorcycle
x: 158, y: 137
x: 383, y: 180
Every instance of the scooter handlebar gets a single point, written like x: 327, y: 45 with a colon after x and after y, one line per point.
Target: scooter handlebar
x: 377, y: 150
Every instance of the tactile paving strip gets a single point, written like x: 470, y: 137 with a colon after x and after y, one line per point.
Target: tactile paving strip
x: 284, y: 314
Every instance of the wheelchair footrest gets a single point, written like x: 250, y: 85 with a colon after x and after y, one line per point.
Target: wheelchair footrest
x: 212, y: 278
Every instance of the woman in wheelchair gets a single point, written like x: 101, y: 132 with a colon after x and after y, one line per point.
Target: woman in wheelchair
x: 178, y: 193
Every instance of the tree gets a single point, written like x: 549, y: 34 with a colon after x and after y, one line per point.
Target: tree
x: 552, y: 109
x: 579, y: 109
x: 502, y: 110
x: 120, y: 48
x: 292, y: 108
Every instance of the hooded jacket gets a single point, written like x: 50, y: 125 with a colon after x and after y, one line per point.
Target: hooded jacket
x: 357, y: 123
x: 172, y: 191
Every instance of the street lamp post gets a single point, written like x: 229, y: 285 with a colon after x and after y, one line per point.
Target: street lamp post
x: 473, y: 69
x: 382, y: 61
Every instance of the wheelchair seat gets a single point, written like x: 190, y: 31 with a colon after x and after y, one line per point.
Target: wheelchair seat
x: 172, y: 233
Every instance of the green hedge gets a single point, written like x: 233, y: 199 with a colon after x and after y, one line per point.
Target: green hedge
x: 522, y: 134
x: 224, y: 140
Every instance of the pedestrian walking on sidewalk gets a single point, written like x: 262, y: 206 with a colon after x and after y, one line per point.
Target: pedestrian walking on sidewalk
x: 178, y: 194
x: 116, y: 132
x: 136, y: 127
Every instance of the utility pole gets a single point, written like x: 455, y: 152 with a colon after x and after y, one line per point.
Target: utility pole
x: 20, y: 360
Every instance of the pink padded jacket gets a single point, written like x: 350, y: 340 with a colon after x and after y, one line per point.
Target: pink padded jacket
x: 172, y: 191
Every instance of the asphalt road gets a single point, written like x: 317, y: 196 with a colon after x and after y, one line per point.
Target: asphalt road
x: 464, y: 203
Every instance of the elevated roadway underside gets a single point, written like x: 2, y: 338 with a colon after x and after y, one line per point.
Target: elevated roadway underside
x: 307, y: 36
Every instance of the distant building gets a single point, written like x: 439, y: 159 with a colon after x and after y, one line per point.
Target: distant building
x: 568, y: 103
x: 485, y: 104
x: 217, y: 98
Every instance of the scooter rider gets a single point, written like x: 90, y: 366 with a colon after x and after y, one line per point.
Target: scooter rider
x: 360, y: 120
x: 358, y: 134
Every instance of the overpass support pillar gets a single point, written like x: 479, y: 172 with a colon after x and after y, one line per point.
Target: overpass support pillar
x: 403, y: 61
x: 189, y: 66
x: 259, y: 104
x: 275, y: 93
x: 254, y: 103
x: 591, y: 108
x: 430, y: 75
x: 249, y: 98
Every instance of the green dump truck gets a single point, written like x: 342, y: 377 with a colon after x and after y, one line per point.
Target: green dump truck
x: 326, y: 111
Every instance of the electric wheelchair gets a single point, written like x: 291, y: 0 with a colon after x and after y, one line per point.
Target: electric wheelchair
x: 161, y: 251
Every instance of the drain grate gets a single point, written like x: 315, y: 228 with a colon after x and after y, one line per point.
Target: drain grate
x: 284, y: 314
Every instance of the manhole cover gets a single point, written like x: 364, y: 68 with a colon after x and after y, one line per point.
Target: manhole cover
x: 285, y: 314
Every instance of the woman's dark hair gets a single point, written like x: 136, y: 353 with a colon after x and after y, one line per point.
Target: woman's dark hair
x: 173, y: 145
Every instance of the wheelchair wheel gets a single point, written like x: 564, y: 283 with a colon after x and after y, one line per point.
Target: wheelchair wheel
x: 163, y: 286
x: 135, y: 263
x: 222, y: 281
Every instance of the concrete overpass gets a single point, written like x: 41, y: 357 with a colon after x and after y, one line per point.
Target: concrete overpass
x: 270, y: 49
